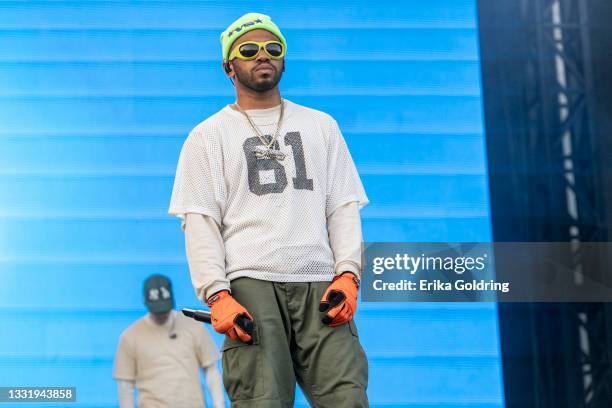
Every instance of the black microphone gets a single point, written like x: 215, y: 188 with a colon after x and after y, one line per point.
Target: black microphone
x: 246, y: 324
x: 242, y: 320
x: 199, y: 315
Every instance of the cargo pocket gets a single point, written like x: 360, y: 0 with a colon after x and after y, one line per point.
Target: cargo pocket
x: 359, y: 359
x: 242, y: 368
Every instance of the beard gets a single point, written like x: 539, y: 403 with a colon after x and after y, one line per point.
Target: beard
x: 257, y: 82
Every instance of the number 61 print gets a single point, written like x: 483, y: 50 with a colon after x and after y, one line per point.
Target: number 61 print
x: 255, y: 166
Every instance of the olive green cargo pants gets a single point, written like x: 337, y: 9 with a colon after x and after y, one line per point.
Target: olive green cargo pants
x: 291, y: 344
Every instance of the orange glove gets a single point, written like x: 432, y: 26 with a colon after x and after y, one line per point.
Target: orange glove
x: 340, y: 300
x: 230, y: 317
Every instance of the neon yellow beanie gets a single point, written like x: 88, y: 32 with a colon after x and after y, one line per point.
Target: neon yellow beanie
x: 246, y: 23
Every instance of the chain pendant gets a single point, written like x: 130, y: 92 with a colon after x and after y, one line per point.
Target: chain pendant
x: 262, y: 152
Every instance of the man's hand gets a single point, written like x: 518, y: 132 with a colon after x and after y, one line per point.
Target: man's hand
x: 339, y: 301
x: 230, y: 317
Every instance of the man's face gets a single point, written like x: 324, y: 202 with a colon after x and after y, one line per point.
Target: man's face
x: 262, y: 73
x: 160, y: 318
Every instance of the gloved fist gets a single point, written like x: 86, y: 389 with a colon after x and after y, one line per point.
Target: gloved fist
x: 230, y: 317
x: 339, y: 301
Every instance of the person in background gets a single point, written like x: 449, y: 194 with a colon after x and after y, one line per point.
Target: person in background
x: 160, y: 355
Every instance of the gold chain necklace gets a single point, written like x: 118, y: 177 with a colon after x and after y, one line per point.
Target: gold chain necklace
x: 266, y: 151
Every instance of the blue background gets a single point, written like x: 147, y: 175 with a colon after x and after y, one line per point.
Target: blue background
x: 96, y: 99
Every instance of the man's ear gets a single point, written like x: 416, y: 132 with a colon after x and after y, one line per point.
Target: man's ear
x: 228, y: 69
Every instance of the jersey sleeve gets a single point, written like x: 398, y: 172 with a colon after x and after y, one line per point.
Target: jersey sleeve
x: 199, y: 184
x: 343, y: 182
x: 206, y: 349
x: 124, y: 367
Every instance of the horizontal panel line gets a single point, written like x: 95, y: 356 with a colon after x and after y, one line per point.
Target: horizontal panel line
x: 366, y: 312
x: 84, y: 215
x: 367, y: 215
x: 458, y: 402
x: 447, y: 359
x: 380, y: 92
x: 165, y: 2
x: 141, y: 2
x: 442, y: 213
x: 386, y: 59
x: 379, y: 26
x: 466, y: 130
x: 374, y: 170
x: 158, y: 130
x: 86, y: 173
x: 181, y: 134
x: 197, y: 98
x: 45, y: 313
x: 175, y: 132
x: 34, y: 259
x: 210, y: 63
x: 137, y: 2
x: 416, y: 170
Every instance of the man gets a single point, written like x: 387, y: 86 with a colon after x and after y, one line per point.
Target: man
x: 269, y: 198
x: 161, y: 354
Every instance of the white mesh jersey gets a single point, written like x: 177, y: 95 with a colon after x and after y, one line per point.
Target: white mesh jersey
x: 272, y: 213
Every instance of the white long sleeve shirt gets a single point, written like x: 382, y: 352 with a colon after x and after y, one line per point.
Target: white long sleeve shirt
x: 206, y: 253
x: 272, y: 213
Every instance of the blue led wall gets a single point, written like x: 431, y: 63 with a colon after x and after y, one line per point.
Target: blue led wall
x: 96, y: 99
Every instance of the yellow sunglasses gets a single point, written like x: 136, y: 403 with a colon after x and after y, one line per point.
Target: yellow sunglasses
x: 249, y: 50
